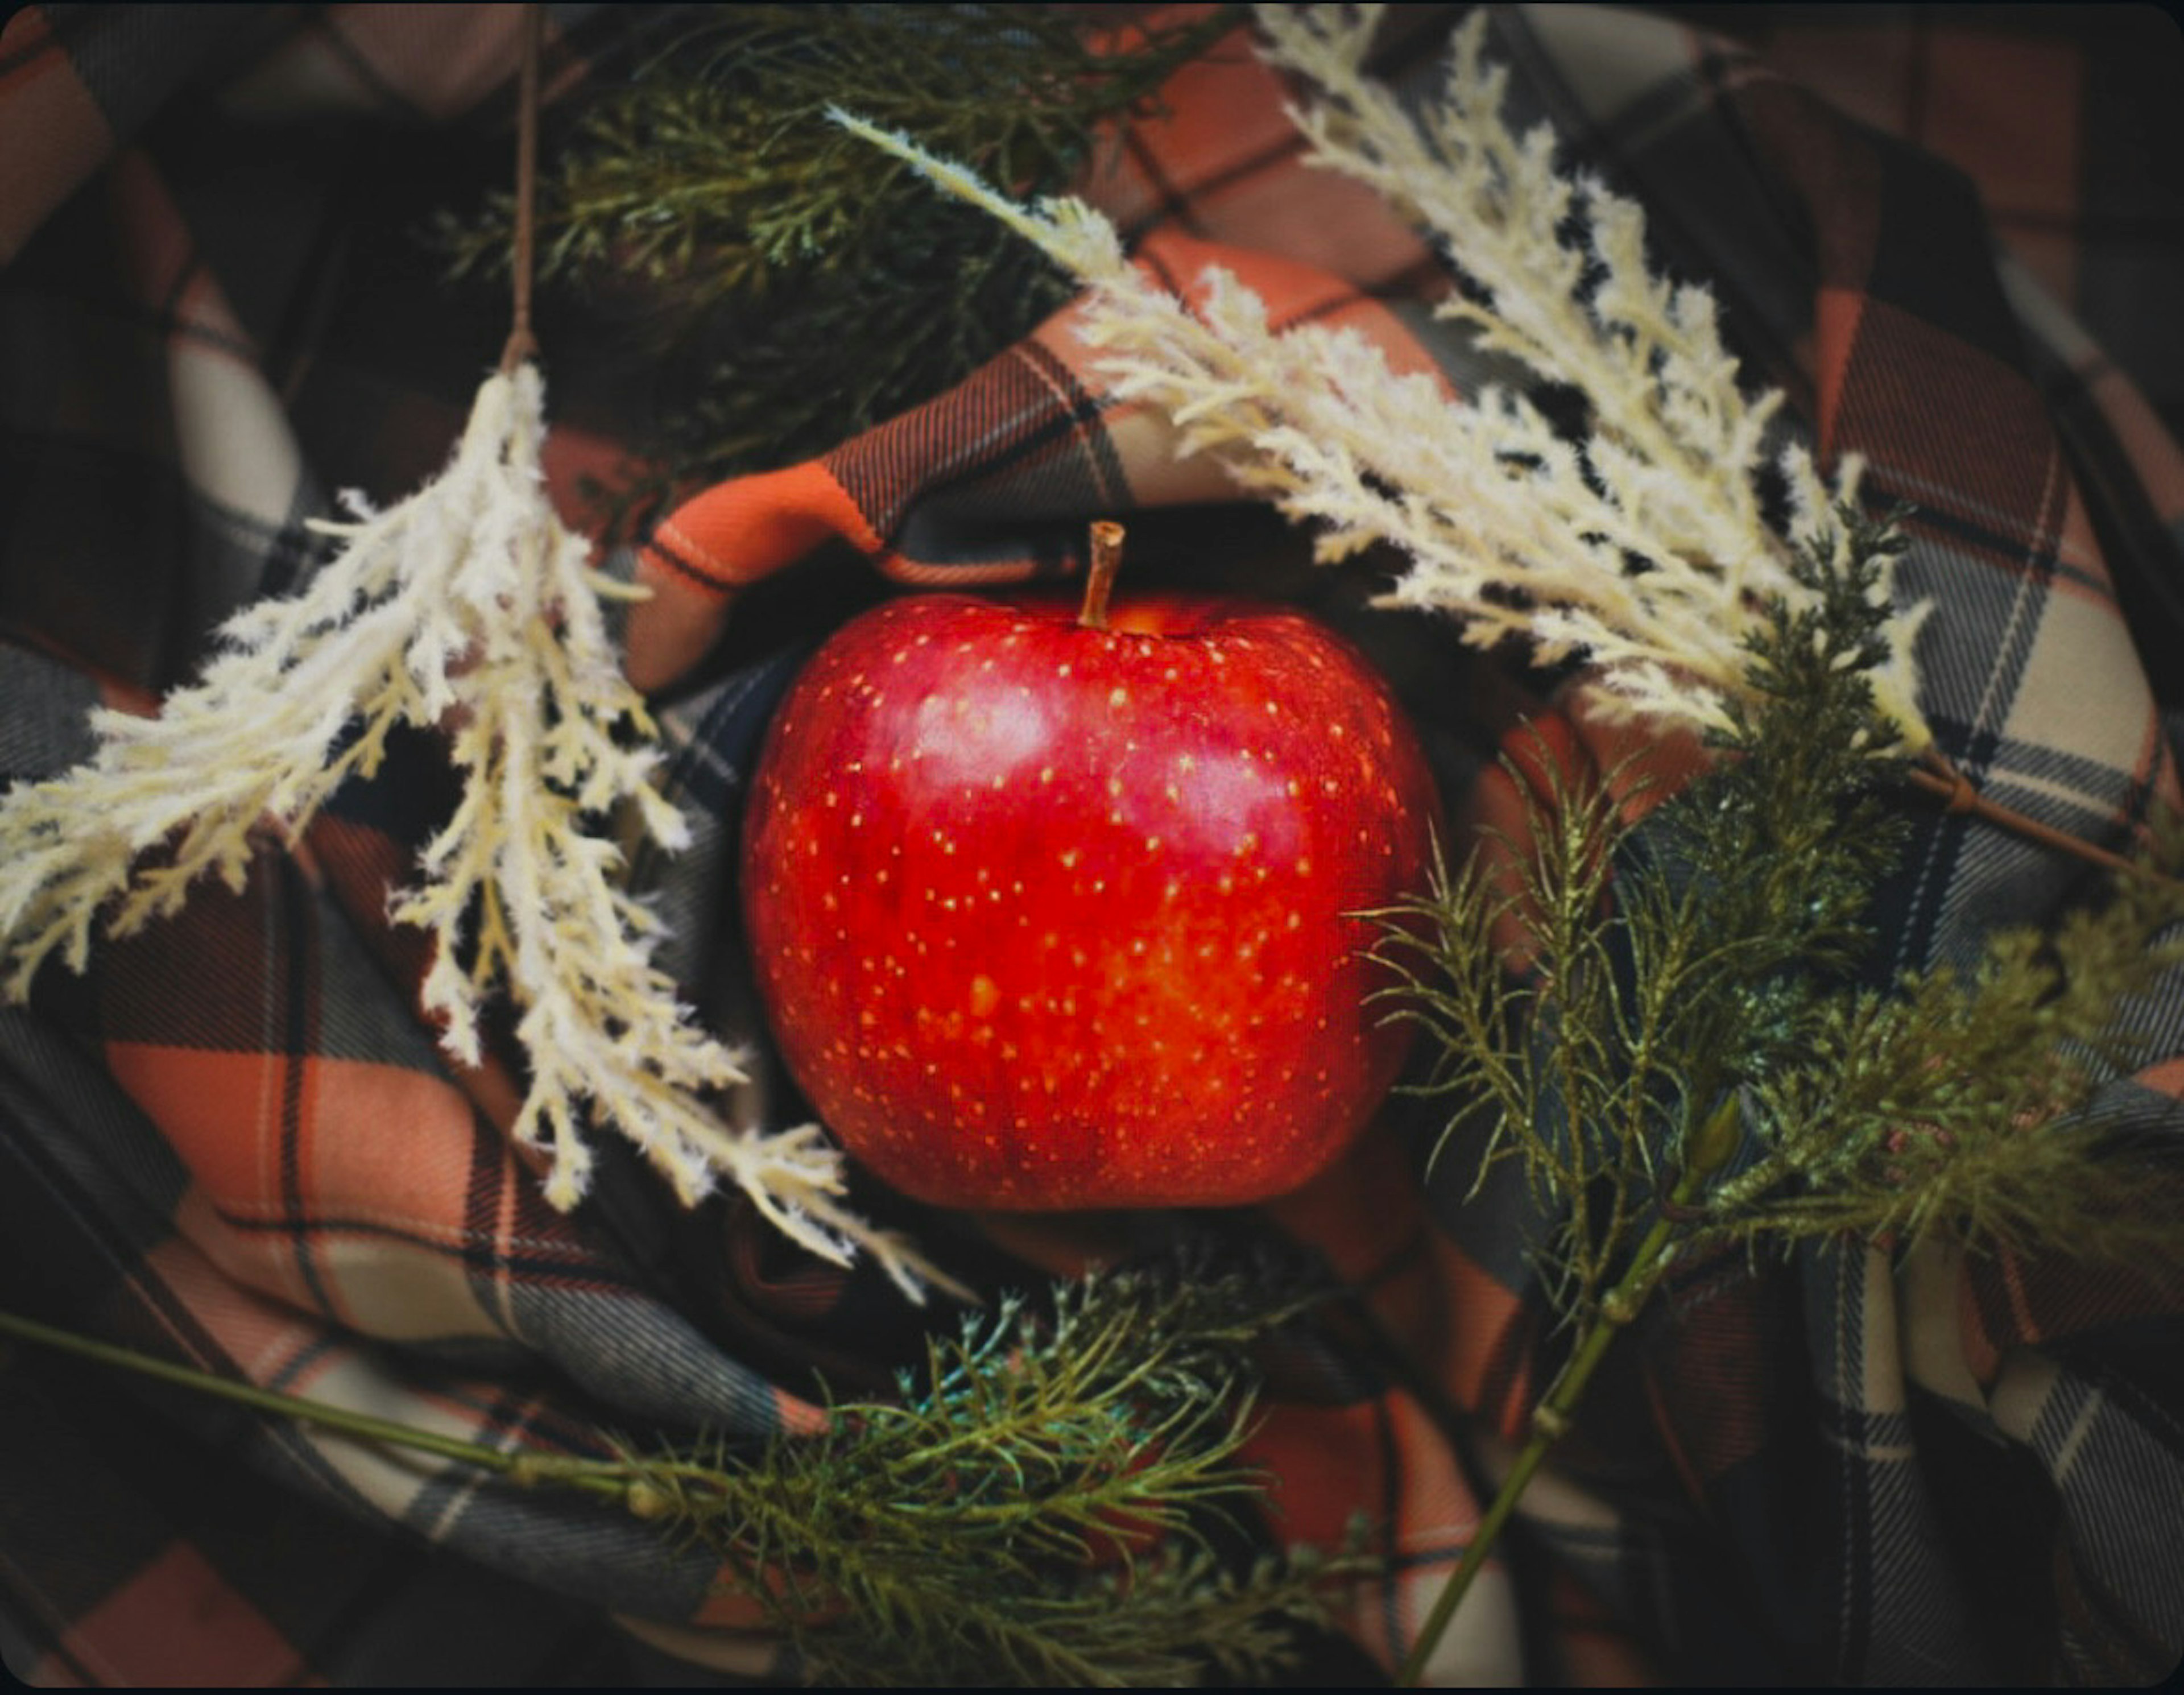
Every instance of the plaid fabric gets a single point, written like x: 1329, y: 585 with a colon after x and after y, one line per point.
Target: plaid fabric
x: 232, y: 1142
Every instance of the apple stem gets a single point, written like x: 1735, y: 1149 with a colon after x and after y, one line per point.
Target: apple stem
x: 1106, y: 559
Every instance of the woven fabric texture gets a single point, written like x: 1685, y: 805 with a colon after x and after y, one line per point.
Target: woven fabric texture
x: 234, y: 1142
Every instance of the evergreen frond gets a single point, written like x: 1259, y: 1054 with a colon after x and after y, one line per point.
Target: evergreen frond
x: 1660, y: 968
x: 1983, y: 1105
x: 816, y: 291
x: 1034, y: 1508
x: 1768, y: 859
x: 1038, y: 1507
x: 1972, y: 1104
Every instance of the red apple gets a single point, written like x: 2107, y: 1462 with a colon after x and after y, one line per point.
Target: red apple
x: 1051, y: 915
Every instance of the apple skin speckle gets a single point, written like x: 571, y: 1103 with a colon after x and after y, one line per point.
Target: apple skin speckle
x: 1139, y: 976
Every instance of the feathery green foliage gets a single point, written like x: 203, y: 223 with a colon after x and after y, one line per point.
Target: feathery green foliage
x: 817, y: 289
x: 1033, y: 1509
x: 946, y: 1537
x: 1971, y: 1103
x: 1706, y: 956
x: 1667, y: 967
x: 1772, y: 855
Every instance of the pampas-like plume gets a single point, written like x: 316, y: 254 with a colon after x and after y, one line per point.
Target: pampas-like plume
x: 468, y: 603
x: 1508, y: 525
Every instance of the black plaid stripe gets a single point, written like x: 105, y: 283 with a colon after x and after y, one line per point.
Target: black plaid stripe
x: 107, y: 549
x: 2140, y: 544
x: 132, y: 58
x: 44, y: 705
x: 275, y: 969
x: 715, y: 736
x: 944, y: 484
x: 1716, y: 210
x: 2108, y: 121
x: 2116, y: 1454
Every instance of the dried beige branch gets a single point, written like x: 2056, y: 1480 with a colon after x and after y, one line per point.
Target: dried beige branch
x: 1510, y: 527
x: 468, y: 604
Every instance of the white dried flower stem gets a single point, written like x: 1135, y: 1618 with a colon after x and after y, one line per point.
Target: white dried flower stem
x: 1508, y: 527
x: 1648, y: 356
x: 471, y: 604
x: 1483, y: 498
x: 1676, y: 440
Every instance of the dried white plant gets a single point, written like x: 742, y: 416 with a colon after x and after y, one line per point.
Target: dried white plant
x: 1508, y: 525
x: 468, y: 604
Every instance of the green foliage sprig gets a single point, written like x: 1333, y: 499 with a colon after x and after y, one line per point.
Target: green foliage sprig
x: 1706, y: 956
x: 1967, y: 1104
x: 1662, y: 972
x: 814, y: 289
x: 1031, y: 1509
x: 1685, y: 1058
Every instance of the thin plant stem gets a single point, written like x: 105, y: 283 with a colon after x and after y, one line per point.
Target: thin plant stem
x: 1553, y: 1418
x: 1939, y: 776
x: 521, y: 343
x: 1099, y: 579
x: 519, y: 1466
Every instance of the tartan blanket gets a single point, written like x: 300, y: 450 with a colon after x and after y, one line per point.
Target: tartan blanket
x: 234, y: 1143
